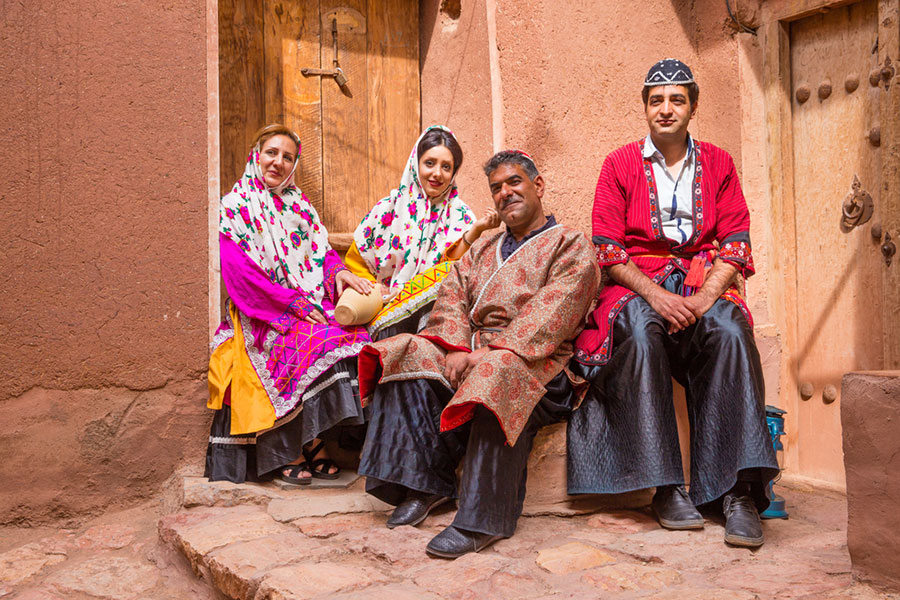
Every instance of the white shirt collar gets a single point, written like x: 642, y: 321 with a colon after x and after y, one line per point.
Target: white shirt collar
x: 650, y: 148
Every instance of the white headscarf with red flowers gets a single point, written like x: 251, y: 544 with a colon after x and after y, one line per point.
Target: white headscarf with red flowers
x: 277, y: 228
x: 405, y: 233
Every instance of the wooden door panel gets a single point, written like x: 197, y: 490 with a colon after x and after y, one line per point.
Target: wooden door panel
x: 241, y: 71
x: 393, y: 66
x: 355, y: 142
x: 292, y: 37
x: 345, y: 118
x: 839, y: 278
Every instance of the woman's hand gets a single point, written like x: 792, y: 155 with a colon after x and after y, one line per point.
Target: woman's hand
x: 315, y: 316
x: 490, y: 220
x: 346, y: 279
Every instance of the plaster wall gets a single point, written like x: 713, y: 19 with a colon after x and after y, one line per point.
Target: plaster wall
x: 103, y: 315
x: 870, y: 415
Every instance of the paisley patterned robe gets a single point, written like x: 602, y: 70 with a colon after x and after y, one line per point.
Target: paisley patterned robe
x: 527, y: 309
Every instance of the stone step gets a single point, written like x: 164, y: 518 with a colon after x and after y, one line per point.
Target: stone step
x: 546, y: 487
x: 333, y: 543
x: 246, y: 554
x: 269, y: 540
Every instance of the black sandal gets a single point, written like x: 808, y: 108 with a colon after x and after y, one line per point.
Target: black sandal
x: 293, y: 475
x: 320, y: 467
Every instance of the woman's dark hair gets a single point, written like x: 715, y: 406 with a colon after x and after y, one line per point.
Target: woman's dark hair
x: 439, y: 137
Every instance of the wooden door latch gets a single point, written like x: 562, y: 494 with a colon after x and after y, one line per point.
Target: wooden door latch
x: 335, y: 72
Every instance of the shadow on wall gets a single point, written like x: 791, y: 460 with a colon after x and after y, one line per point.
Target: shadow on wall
x: 745, y: 14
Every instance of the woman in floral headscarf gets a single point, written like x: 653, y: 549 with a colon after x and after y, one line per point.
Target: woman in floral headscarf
x: 279, y: 349
x: 407, y: 238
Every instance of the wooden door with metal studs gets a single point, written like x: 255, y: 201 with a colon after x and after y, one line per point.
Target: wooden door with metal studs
x: 837, y: 92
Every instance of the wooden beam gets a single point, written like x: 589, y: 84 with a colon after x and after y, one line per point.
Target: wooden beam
x: 393, y: 94
x: 774, y: 37
x: 345, y: 117
x: 241, y: 100
x: 792, y: 10
x: 889, y: 209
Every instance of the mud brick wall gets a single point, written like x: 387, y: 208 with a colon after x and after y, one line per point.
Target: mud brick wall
x: 870, y: 416
x: 103, y: 310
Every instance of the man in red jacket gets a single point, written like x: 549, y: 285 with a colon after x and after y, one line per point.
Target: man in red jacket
x: 671, y: 229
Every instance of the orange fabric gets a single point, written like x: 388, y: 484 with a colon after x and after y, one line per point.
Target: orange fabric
x: 251, y: 410
x: 355, y: 263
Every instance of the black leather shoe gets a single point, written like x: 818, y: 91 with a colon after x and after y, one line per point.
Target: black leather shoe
x: 742, y: 524
x: 414, y: 509
x: 674, y: 509
x: 453, y: 542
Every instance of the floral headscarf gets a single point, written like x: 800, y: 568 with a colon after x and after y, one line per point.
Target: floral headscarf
x: 277, y: 228
x: 405, y: 233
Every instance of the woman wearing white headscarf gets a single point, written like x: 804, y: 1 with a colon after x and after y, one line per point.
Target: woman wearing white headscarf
x: 282, y: 370
x: 406, y: 241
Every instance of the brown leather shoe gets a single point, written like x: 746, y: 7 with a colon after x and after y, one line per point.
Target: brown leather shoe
x: 453, y: 542
x: 742, y: 524
x: 414, y: 509
x: 674, y: 509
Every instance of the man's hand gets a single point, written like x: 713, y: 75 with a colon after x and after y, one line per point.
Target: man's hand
x: 473, y: 359
x: 459, y: 364
x: 717, y: 281
x: 490, y: 220
x: 673, y: 308
x: 670, y: 307
x: 699, y: 303
x: 455, y: 365
x: 345, y: 279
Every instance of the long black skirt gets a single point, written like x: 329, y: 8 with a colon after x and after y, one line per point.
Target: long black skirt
x: 331, y: 400
x: 406, y: 450
x: 624, y: 435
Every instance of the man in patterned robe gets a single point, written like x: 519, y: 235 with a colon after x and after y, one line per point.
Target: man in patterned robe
x: 484, y: 375
x: 671, y: 229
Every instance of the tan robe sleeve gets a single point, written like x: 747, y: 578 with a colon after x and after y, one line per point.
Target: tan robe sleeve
x: 556, y: 313
x: 407, y: 356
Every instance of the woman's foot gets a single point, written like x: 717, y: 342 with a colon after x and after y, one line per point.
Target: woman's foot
x: 297, y: 472
x: 320, y: 464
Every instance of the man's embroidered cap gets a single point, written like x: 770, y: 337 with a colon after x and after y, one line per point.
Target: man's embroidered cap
x: 670, y: 71
x: 521, y: 152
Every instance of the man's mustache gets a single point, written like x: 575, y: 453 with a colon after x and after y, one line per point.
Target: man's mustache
x: 507, y: 201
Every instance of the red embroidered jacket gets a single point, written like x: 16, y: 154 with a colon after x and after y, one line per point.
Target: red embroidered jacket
x: 627, y: 224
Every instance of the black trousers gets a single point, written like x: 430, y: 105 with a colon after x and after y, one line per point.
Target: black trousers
x: 624, y: 436
x: 405, y: 450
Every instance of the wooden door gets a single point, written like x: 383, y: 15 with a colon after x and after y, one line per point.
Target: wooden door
x: 840, y: 292
x: 355, y: 140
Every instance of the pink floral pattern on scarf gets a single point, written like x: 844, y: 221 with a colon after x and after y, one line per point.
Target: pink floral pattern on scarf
x: 405, y: 233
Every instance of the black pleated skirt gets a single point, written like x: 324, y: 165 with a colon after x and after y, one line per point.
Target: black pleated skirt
x: 332, y: 400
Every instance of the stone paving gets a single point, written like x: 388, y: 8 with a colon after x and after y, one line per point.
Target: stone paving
x: 264, y: 542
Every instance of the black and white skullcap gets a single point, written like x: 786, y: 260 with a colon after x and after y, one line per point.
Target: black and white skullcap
x: 669, y: 71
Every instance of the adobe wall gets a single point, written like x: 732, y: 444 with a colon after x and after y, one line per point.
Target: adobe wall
x: 870, y: 416
x: 104, y: 306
